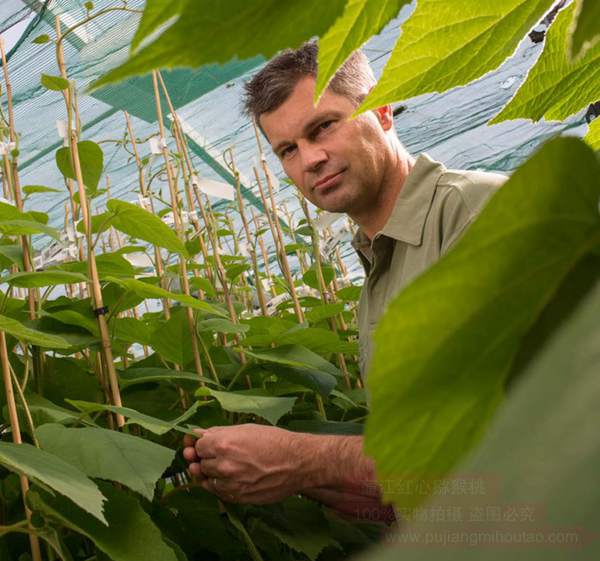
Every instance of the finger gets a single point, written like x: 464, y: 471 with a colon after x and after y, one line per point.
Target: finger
x: 195, y: 471
x: 189, y: 440
x: 205, y: 446
x: 209, y: 468
x: 189, y: 454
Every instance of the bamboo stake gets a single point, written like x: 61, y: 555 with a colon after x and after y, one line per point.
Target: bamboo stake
x: 158, y: 261
x: 279, y: 244
x: 263, y: 251
x: 16, y: 437
x: 100, y: 309
x: 299, y: 252
x: 325, y: 294
x: 178, y: 225
x: 251, y: 247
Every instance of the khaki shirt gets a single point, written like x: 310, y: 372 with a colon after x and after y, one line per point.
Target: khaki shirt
x: 433, y: 209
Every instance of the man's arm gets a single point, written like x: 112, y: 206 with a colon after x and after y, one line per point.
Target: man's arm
x: 260, y: 464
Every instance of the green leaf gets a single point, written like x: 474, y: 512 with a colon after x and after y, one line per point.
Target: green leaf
x: 584, y: 28
x: 147, y: 290
x: 131, y: 330
x: 141, y: 224
x: 108, y: 454
x: 26, y: 228
x: 107, y: 264
x: 73, y: 317
x: 133, y: 376
x: 300, y: 524
x: 91, y: 160
x: 51, y: 472
x: 489, y: 290
x: 55, y: 83
x: 295, y: 356
x: 154, y: 425
x: 442, y: 46
x: 218, y: 325
x: 195, y: 39
x: 318, y: 381
x: 45, y: 411
x: 349, y: 293
x: 130, y: 535
x: 593, y: 135
x: 269, y: 408
x: 155, y: 14
x: 205, y: 285
x: 99, y: 223
x: 43, y: 38
x: 32, y: 336
x: 360, y: 21
x: 555, y: 88
x: 44, y: 278
x: 325, y: 311
x: 310, y: 276
x: 554, y: 407
x: 30, y: 189
x: 13, y: 255
x: 172, y: 339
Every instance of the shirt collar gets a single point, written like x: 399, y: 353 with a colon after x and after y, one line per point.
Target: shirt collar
x: 407, y: 221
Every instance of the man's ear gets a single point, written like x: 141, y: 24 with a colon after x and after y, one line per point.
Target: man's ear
x: 385, y: 116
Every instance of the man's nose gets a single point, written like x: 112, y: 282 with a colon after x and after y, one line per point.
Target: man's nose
x: 312, y: 155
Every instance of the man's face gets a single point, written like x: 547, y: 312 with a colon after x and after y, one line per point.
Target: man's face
x: 338, y: 164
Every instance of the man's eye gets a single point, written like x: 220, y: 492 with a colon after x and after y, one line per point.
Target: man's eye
x: 287, y: 151
x: 325, y: 125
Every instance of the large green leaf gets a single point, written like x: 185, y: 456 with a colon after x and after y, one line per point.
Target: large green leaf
x: 360, y: 20
x: 197, y: 36
x: 32, y: 336
x: 316, y: 380
x: 53, y: 473
x: 91, y: 160
x: 44, y: 278
x: 295, y: 356
x: 585, y: 30
x: 147, y: 290
x: 443, y: 46
x: 131, y: 330
x: 269, y: 408
x: 593, y: 135
x: 107, y: 264
x: 11, y: 255
x: 153, y: 424
x: 555, y: 87
x: 73, y: 317
x: 156, y: 13
x: 130, y: 535
x: 26, y: 227
x: 172, y: 339
x: 446, y: 343
x: 143, y: 225
x: 542, y: 450
x: 107, y: 454
x: 300, y: 524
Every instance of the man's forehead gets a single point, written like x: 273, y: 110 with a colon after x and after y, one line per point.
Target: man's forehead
x: 298, y: 110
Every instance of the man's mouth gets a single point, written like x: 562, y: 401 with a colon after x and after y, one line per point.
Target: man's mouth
x: 328, y: 181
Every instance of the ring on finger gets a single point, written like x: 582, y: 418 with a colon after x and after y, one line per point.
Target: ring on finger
x: 214, y: 481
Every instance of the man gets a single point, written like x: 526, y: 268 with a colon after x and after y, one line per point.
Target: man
x: 409, y: 213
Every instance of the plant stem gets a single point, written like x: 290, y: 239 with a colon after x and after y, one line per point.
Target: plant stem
x: 16, y: 436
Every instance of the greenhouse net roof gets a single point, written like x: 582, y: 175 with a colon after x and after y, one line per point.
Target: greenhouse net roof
x: 450, y: 126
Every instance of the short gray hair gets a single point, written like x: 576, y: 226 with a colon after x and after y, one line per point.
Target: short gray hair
x: 274, y: 83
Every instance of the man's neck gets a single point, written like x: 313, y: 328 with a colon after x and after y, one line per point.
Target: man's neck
x: 373, y: 221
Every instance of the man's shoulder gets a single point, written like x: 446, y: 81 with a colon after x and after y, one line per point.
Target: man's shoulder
x: 468, y: 187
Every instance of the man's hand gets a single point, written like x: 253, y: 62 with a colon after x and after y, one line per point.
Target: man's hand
x: 247, y: 463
